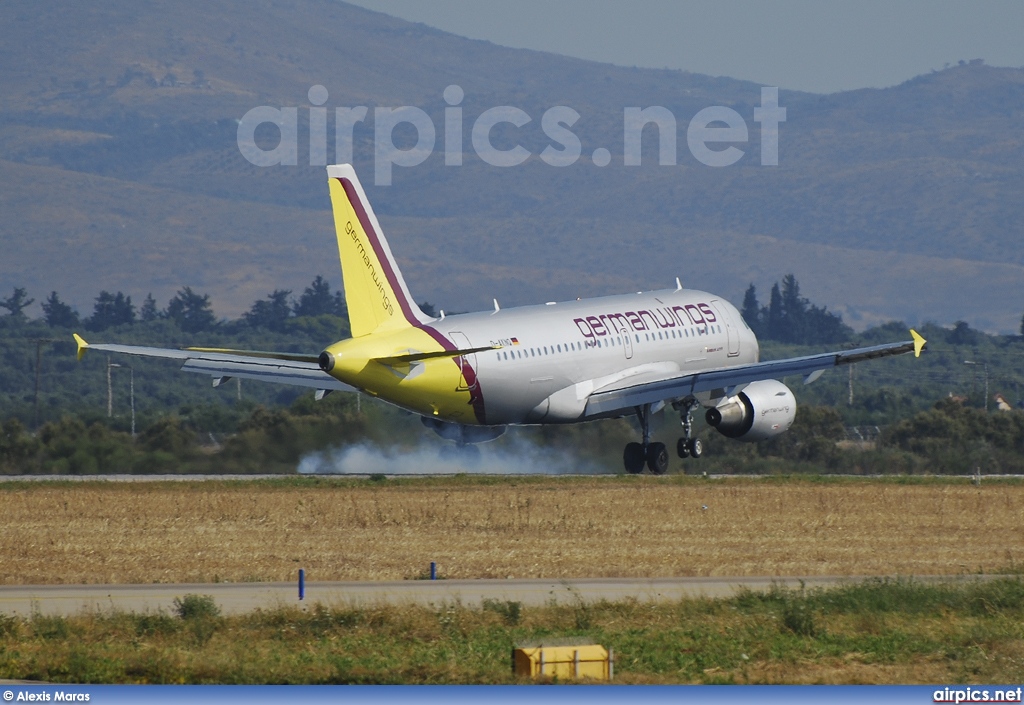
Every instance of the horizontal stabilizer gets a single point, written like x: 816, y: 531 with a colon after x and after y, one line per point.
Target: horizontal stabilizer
x: 392, y: 360
x: 290, y: 357
x: 222, y: 364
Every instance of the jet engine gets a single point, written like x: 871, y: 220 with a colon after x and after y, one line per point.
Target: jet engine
x: 763, y: 409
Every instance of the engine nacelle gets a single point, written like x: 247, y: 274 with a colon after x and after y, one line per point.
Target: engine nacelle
x: 763, y: 409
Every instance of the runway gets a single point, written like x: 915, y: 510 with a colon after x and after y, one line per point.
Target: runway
x: 236, y: 598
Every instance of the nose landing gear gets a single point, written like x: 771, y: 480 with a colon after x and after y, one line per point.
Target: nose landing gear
x: 688, y: 446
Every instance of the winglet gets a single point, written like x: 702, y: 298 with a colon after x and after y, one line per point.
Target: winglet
x: 919, y: 342
x: 82, y: 345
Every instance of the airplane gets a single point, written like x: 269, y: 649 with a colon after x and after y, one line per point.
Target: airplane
x: 470, y: 376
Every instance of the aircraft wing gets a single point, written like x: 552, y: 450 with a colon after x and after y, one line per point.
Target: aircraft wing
x: 728, y: 380
x: 222, y: 364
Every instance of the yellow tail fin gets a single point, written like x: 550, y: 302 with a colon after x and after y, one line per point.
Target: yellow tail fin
x: 375, y: 291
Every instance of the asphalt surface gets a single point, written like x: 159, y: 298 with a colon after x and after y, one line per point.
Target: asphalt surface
x: 235, y: 598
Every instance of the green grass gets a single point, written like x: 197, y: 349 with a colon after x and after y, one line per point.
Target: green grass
x: 872, y: 631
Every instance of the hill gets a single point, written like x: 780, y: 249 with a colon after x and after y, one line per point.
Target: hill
x: 120, y: 170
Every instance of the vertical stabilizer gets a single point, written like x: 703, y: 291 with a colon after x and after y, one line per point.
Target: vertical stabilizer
x: 375, y: 291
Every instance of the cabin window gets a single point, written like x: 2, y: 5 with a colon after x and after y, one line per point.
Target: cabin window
x: 638, y: 337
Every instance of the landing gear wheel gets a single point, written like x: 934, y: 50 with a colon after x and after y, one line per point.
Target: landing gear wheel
x: 696, y: 448
x: 633, y: 458
x: 657, y: 458
x: 683, y: 448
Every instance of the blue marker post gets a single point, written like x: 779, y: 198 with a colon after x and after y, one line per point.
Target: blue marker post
x: 433, y: 570
x: 302, y: 584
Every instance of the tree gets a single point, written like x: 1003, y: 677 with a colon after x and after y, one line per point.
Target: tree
x: 773, y: 317
x: 820, y: 326
x: 340, y: 306
x: 962, y: 334
x: 428, y: 308
x: 58, y: 314
x: 751, y: 310
x: 316, y: 300
x: 790, y: 318
x: 794, y: 310
x: 191, y: 312
x: 271, y: 313
x: 16, y: 304
x: 111, y: 310
x: 149, y: 313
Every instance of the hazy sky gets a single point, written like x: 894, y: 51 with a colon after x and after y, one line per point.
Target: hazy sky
x: 814, y: 45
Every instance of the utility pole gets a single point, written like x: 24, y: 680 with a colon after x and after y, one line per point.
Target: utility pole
x: 110, y: 391
x: 131, y: 371
x: 850, y: 401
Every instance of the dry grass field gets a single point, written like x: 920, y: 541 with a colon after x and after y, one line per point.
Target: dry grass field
x: 109, y: 532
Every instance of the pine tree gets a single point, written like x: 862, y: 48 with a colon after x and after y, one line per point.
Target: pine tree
x: 428, y: 308
x: 774, y: 325
x: 751, y: 311
x: 192, y: 312
x: 316, y: 300
x: 340, y: 306
x: 794, y: 310
x: 271, y: 313
x: 111, y: 310
x: 149, y: 312
x: 16, y: 303
x: 58, y: 314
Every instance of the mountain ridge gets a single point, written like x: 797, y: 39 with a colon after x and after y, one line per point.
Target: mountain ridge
x: 884, y: 203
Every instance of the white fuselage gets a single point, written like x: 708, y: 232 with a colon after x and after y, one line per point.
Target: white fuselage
x: 553, y: 356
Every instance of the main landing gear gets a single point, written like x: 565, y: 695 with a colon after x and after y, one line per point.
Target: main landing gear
x: 654, y: 454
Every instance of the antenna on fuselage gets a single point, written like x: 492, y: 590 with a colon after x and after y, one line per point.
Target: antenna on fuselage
x: 496, y: 306
x: 679, y: 285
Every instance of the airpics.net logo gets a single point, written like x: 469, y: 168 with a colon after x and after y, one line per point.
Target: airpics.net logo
x: 706, y: 133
